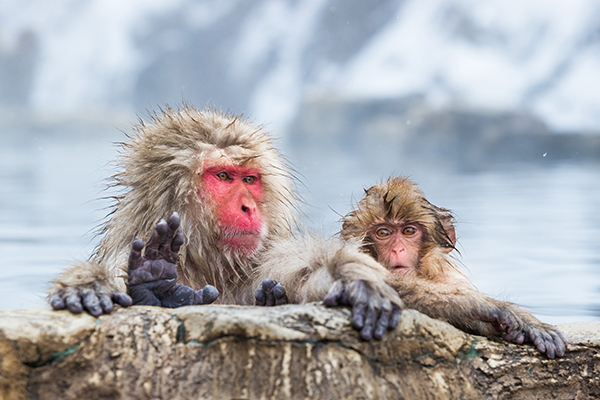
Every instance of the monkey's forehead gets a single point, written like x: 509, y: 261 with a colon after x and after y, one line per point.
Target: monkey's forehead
x: 232, y: 155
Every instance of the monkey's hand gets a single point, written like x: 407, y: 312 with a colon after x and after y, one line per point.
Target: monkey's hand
x: 372, y: 312
x: 519, y: 329
x: 153, y: 275
x: 95, y: 297
x: 270, y: 293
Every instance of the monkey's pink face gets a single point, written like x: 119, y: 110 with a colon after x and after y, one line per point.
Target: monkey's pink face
x: 237, y: 192
x: 397, y: 246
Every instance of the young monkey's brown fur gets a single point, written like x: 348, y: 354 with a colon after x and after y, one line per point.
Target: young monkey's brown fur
x: 430, y: 281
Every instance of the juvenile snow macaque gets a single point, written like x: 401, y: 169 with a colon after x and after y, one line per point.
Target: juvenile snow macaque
x: 231, y: 207
x: 412, y: 238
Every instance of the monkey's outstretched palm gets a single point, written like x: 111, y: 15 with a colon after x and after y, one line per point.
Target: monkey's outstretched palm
x: 153, y: 275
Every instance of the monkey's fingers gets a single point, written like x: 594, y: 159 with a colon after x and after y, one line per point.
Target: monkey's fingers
x: 539, y: 341
x: 260, y: 297
x: 135, y: 255
x: 395, y: 319
x: 141, y: 276
x: 57, y: 302
x: 366, y: 333
x: 206, y: 295
x: 172, y: 240
x: 279, y: 295
x: 268, y: 285
x: 561, y: 338
x: 73, y: 301
x: 105, y: 303
x: 333, y: 298
x: 359, y: 299
x: 550, y: 342
x: 560, y: 342
x: 489, y: 314
x: 383, y: 323
x: 122, y: 299
x: 91, y: 302
x: 176, y: 244
x: 156, y: 240
x: 264, y: 295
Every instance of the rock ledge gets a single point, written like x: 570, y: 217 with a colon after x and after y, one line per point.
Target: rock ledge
x: 282, y: 352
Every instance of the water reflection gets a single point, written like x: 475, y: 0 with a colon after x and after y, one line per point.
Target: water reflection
x: 527, y: 233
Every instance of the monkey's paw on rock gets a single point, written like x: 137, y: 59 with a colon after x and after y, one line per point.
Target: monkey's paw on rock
x: 310, y: 350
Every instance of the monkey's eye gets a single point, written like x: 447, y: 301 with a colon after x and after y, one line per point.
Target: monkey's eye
x: 409, y: 230
x: 224, y: 176
x: 383, y: 233
x: 250, y: 180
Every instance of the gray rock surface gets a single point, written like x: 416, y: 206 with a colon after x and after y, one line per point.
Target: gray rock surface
x: 294, y: 352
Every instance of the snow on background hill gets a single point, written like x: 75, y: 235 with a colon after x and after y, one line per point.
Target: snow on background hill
x: 264, y: 57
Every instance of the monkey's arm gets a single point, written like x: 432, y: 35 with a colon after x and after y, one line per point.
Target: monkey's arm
x: 153, y: 275
x: 87, y: 286
x: 312, y: 269
x: 458, y: 303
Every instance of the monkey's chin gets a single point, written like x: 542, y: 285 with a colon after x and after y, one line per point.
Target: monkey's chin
x: 242, y: 243
x: 399, y: 269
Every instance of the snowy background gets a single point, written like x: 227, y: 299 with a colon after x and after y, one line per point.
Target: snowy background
x: 265, y: 57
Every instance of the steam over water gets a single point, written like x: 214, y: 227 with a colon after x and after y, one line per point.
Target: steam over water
x: 527, y: 233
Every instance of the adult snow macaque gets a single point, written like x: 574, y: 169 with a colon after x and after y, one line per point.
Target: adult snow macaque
x: 230, y: 204
x: 412, y: 238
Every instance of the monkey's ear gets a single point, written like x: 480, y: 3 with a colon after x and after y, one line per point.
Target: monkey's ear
x: 450, y: 231
x: 344, y: 225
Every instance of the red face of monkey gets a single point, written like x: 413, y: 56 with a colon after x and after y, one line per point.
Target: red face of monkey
x: 237, y: 192
x: 397, y: 245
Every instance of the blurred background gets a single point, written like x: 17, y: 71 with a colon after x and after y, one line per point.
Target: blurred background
x: 492, y: 107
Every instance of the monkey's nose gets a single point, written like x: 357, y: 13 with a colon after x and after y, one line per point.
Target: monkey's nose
x: 248, y: 210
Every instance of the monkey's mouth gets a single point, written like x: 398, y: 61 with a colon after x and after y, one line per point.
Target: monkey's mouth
x: 242, y: 242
